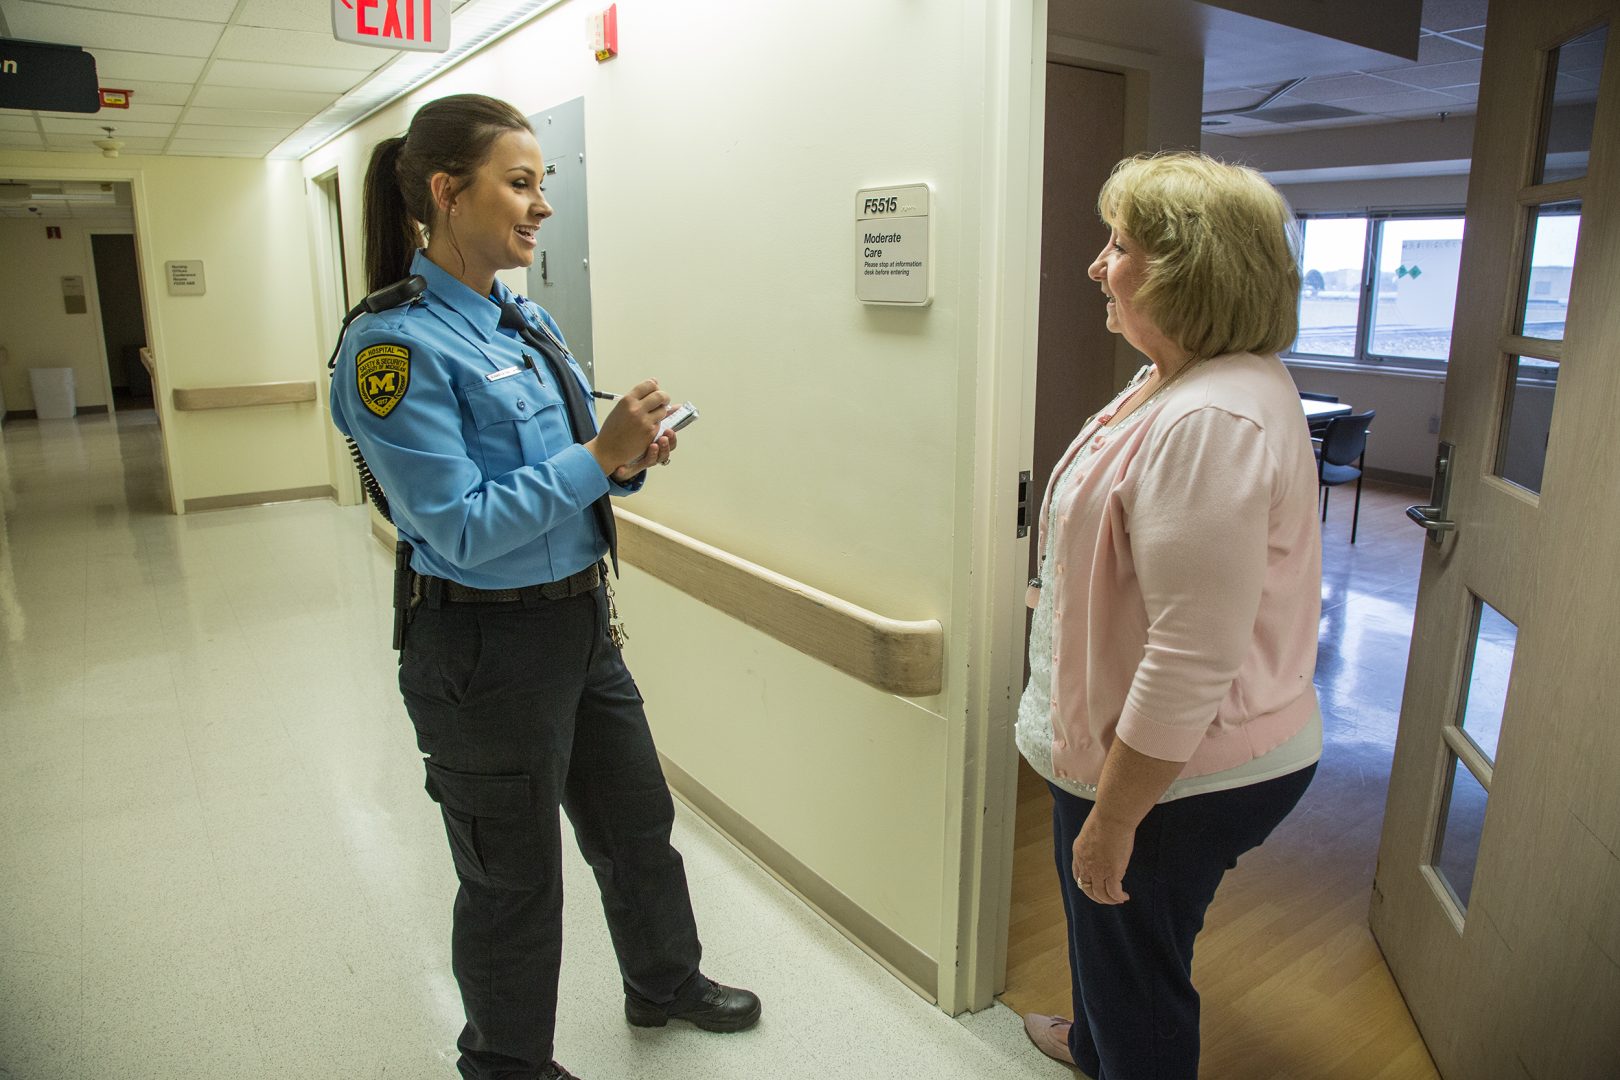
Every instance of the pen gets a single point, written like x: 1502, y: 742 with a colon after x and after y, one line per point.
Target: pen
x: 604, y: 395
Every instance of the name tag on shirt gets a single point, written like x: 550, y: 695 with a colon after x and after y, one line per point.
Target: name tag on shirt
x: 504, y: 373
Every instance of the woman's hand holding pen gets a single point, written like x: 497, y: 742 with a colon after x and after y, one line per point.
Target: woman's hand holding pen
x: 625, y: 445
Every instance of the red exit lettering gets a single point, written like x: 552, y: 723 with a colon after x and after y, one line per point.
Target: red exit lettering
x: 421, y: 25
x: 392, y: 26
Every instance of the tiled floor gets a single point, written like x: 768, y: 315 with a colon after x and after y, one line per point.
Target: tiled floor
x: 216, y: 859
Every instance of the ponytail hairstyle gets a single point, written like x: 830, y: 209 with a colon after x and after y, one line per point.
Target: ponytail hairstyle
x: 453, y: 135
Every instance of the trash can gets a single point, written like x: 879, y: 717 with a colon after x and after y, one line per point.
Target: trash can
x: 53, y: 392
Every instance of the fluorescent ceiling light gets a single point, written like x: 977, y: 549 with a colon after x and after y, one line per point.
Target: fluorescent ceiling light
x: 474, y: 25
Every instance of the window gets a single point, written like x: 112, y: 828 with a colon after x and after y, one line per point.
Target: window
x: 1400, y: 310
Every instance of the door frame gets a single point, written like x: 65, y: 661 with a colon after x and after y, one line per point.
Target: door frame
x: 323, y: 195
x: 151, y: 279
x: 1010, y: 301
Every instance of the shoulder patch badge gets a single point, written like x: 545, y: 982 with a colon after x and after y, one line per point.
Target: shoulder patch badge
x: 382, y: 374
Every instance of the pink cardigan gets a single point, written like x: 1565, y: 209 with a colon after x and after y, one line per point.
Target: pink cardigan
x: 1189, y: 582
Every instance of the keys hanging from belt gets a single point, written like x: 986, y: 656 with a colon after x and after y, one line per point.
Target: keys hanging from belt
x: 615, y: 629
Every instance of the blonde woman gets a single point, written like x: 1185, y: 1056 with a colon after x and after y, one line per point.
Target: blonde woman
x: 1170, y: 704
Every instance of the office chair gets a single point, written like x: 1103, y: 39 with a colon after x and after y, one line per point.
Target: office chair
x: 1342, y: 458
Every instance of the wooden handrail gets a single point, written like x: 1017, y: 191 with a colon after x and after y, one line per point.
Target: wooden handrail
x: 905, y: 658
x: 198, y: 398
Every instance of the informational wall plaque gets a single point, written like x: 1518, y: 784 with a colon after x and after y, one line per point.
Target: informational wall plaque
x: 185, y: 278
x: 73, y: 299
x: 55, y: 78
x: 892, y: 245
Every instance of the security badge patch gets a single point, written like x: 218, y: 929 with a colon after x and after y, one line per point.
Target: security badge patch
x: 382, y: 374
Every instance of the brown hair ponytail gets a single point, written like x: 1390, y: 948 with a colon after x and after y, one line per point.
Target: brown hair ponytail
x: 451, y: 135
x: 391, y: 236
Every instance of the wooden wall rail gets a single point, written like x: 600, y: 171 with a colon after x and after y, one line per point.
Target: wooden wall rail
x: 237, y: 397
x: 905, y: 658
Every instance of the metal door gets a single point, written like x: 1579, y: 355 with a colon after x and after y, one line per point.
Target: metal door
x: 560, y: 279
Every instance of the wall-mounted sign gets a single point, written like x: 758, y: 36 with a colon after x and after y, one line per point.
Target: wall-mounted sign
x: 73, y: 300
x: 185, y: 278
x: 891, y: 245
x: 422, y: 25
x: 56, y: 78
x: 114, y: 99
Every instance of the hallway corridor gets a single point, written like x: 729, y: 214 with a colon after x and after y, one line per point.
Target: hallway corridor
x: 216, y: 858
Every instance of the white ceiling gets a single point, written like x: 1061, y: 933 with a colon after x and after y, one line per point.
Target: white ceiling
x: 220, y: 78
x: 1443, y: 79
x: 211, y: 77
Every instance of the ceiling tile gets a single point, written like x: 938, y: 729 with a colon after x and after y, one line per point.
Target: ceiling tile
x: 1461, y: 112
x: 1337, y: 89
x: 281, y: 76
x: 287, y: 15
x: 13, y: 121
x: 1453, y: 14
x: 85, y: 143
x: 1435, y: 49
x: 1434, y: 76
x: 215, y: 11
x: 266, y: 137
x: 117, y: 68
x: 1232, y: 99
x: 241, y: 97
x: 21, y: 139
x: 139, y: 113
x: 213, y: 148
x: 111, y: 29
x: 57, y: 125
x: 1408, y: 101
x: 1475, y: 36
x: 317, y: 50
x: 248, y: 118
x: 143, y: 92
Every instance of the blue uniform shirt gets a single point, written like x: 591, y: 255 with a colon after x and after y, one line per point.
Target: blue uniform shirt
x: 459, y: 422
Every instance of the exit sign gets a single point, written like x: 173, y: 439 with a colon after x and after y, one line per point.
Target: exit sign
x: 423, y: 25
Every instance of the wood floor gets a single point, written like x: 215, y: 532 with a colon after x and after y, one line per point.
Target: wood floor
x: 1293, y: 985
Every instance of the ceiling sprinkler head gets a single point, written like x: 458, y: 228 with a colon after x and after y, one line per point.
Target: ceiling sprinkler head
x: 111, y: 144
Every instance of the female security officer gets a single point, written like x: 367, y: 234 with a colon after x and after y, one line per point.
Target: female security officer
x: 473, y: 418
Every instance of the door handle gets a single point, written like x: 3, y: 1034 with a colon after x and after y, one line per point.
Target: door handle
x: 1433, y: 517
x: 1023, y: 504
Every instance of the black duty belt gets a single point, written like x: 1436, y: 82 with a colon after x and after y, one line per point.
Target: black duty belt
x: 456, y: 593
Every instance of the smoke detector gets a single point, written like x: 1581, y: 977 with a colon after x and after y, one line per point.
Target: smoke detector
x: 111, y: 144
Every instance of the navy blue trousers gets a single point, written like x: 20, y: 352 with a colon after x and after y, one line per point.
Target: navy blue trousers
x: 520, y: 709
x: 1130, y: 964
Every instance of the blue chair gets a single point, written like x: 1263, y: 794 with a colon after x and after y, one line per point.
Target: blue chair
x: 1342, y: 458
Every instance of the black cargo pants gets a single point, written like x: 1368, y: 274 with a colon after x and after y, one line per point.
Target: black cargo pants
x: 522, y: 707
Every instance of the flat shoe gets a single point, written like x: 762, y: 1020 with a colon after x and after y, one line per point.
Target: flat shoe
x: 1050, y: 1034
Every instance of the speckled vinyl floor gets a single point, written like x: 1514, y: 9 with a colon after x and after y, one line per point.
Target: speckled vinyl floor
x: 216, y: 859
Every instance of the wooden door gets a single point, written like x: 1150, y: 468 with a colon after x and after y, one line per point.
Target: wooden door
x: 1497, y: 895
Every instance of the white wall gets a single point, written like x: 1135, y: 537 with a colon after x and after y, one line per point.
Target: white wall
x: 245, y: 220
x: 35, y: 329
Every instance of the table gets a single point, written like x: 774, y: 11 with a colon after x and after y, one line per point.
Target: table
x: 1323, y: 410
